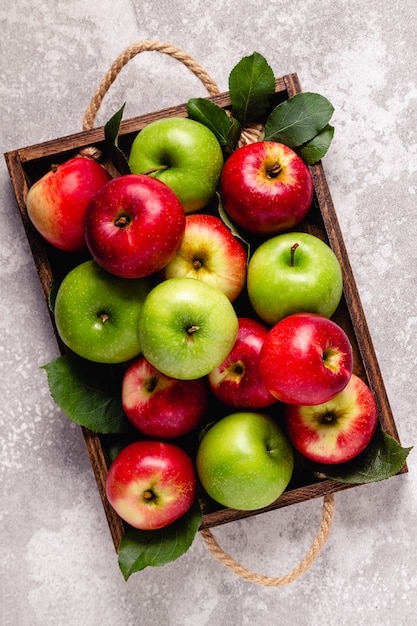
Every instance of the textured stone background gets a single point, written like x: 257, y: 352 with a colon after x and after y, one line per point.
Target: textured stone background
x: 58, y: 566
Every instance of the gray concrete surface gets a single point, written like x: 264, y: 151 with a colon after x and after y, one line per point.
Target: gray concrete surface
x: 57, y: 562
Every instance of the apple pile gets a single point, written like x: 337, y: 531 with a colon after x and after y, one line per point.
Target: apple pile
x: 224, y: 335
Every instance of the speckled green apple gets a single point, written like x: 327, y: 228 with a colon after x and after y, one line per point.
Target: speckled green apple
x: 187, y: 327
x: 245, y: 461
x: 97, y: 313
x: 184, y: 154
x: 291, y: 273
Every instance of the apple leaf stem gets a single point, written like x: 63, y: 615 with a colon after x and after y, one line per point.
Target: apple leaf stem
x: 292, y: 253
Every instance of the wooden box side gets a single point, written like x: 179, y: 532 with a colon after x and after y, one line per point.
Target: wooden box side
x: 26, y: 165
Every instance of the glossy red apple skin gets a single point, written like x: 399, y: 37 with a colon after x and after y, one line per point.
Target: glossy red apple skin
x: 211, y: 253
x: 150, y: 484
x: 266, y: 188
x: 335, y: 431
x: 306, y: 359
x: 237, y: 381
x: 134, y: 226
x: 160, y: 406
x: 57, y: 202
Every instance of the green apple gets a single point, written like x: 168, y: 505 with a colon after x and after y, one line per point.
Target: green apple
x: 294, y: 272
x: 182, y: 153
x: 97, y: 313
x: 245, y: 461
x: 187, y: 327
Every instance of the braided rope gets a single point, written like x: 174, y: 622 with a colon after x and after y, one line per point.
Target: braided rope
x: 129, y: 53
x: 302, y: 567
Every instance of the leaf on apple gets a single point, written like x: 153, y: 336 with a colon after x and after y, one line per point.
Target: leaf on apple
x: 382, y: 459
x: 299, y: 119
x: 143, y: 548
x: 216, y: 119
x: 87, y: 393
x: 231, y: 226
x: 251, y: 88
x: 111, y: 134
x: 315, y: 149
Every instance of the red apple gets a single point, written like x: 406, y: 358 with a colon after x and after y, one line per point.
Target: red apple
x: 57, y: 202
x: 211, y: 253
x: 335, y: 431
x: 160, y: 406
x: 237, y: 382
x: 266, y: 187
x: 306, y: 359
x: 150, y: 484
x: 134, y: 226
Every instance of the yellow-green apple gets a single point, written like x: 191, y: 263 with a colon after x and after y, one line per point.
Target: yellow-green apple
x: 97, y: 313
x: 160, y: 406
x: 245, y: 461
x: 291, y: 273
x: 337, y: 430
x: 57, y: 202
x: 211, y: 253
x: 306, y: 359
x: 187, y: 327
x: 237, y: 382
x: 266, y: 187
x: 182, y: 153
x: 150, y: 484
x: 134, y: 226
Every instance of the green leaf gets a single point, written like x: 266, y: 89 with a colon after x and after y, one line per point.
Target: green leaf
x: 88, y: 393
x: 233, y: 135
x: 231, y: 226
x: 211, y: 115
x: 111, y: 135
x: 383, y: 458
x: 251, y: 88
x: 315, y: 149
x: 297, y: 120
x: 143, y: 548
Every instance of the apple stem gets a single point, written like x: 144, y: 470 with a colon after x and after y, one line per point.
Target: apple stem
x: 104, y: 317
x: 193, y: 329
x: 293, y: 249
x: 122, y: 221
x: 148, y: 495
x: 274, y: 171
x: 158, y: 168
x: 328, y: 418
x: 151, y: 384
x: 197, y: 264
x: 239, y: 369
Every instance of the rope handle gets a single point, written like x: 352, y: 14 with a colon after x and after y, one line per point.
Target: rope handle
x: 303, y: 566
x: 129, y: 53
x: 251, y: 135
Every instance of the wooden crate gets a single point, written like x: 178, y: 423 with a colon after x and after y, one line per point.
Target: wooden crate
x: 26, y: 165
